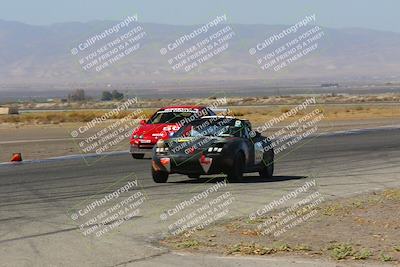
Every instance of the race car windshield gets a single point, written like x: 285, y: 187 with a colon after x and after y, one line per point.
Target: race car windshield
x: 215, y: 129
x: 169, y: 117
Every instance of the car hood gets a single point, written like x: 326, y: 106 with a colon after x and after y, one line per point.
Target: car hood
x: 183, y: 143
x: 162, y: 128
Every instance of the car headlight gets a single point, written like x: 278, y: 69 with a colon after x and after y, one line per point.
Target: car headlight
x: 214, y: 149
x: 135, y: 136
x: 141, y: 136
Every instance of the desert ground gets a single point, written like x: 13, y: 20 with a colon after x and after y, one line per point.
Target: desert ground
x: 358, y: 228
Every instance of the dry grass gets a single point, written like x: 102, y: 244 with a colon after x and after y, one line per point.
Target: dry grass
x: 359, y: 228
x: 257, y: 115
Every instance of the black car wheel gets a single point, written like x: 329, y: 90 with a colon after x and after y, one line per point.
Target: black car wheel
x: 159, y: 176
x: 268, y: 170
x: 137, y: 156
x: 236, y: 172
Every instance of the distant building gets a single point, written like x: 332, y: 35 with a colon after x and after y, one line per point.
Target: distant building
x: 8, y: 110
x: 327, y: 85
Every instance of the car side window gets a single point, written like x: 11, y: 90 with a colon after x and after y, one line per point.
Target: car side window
x: 209, y: 112
x: 236, y: 131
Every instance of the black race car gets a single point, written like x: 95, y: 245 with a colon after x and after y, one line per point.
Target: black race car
x: 213, y: 145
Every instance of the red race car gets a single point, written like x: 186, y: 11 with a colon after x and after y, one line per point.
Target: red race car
x: 163, y: 124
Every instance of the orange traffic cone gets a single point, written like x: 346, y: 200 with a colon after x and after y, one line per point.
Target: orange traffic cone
x: 16, y: 157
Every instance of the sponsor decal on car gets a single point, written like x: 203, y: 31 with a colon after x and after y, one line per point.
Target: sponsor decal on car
x: 171, y: 128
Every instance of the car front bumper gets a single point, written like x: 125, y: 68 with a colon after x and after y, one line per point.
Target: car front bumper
x: 191, y: 164
x: 145, y: 149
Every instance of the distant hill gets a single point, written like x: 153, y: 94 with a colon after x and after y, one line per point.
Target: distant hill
x: 41, y: 54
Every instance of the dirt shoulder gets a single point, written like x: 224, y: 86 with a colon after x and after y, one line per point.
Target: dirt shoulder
x: 364, y: 228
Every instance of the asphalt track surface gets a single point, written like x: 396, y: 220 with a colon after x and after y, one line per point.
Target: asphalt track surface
x: 37, y: 198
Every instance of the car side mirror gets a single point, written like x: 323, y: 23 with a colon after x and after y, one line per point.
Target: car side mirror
x: 142, y: 122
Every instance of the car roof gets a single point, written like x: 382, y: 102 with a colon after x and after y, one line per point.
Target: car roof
x: 223, y: 117
x: 183, y: 106
x: 219, y: 117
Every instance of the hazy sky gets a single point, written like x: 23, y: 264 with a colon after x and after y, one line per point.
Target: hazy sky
x: 373, y: 14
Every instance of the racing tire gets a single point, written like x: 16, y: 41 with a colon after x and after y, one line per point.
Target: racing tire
x: 159, y: 176
x: 137, y: 156
x: 237, y: 170
x: 194, y: 176
x: 267, y: 171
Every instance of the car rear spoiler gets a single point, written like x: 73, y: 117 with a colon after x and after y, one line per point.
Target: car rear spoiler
x: 220, y: 110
